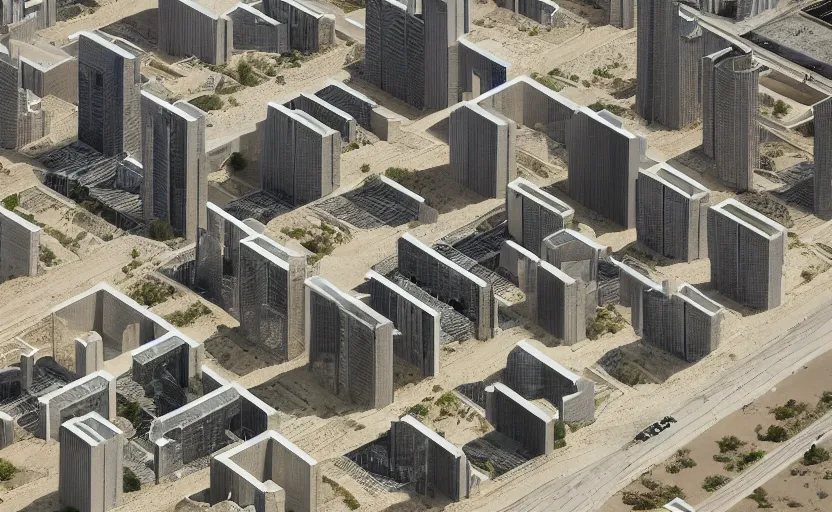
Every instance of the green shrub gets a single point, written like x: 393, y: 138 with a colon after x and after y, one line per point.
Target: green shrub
x: 722, y: 458
x: 761, y: 497
x: 134, y: 253
x: 774, y: 434
x: 607, y: 319
x: 560, y: 430
x: 131, y: 411
x: 365, y: 168
x: 161, y: 231
x: 729, y: 444
x: 237, y: 162
x: 7, y: 470
x: 47, y: 257
x: 714, y: 482
x: 418, y: 411
x: 747, y: 459
x: 347, y: 496
x: 11, y: 202
x: 555, y: 72
x: 794, y: 504
x: 151, y: 292
x: 207, y: 102
x: 574, y: 78
x: 815, y: 455
x: 131, y: 482
x: 602, y: 72
x: 781, y: 108
x: 610, y: 107
x: 397, y: 174
x: 296, y: 233
x: 791, y: 409
x: 246, y: 75
x: 448, y: 399
x: 534, y: 31
x: 185, y: 317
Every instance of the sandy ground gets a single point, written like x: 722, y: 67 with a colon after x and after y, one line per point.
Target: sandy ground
x: 323, y: 425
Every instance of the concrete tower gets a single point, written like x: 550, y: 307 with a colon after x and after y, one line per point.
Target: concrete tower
x: 109, y: 90
x: 175, y: 185
x: 823, y: 158
x: 730, y: 82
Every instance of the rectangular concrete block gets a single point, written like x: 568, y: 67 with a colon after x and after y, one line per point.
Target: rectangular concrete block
x: 823, y: 158
x: 533, y: 214
x: 254, y: 30
x: 19, y: 246
x: 326, y: 113
x: 94, y: 393
x: 89, y: 354
x: 520, y: 420
x: 479, y: 71
x: 561, y: 304
x: 188, y: 29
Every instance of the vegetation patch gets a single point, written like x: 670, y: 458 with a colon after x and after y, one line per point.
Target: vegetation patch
x: 418, y: 411
x: 548, y: 81
x: 189, y: 315
x: 774, y: 434
x: 781, y: 108
x: 237, y: 162
x: 610, y: 107
x: 160, y: 231
x: 607, y: 319
x: 656, y: 496
x: 151, y: 292
x: 398, y: 174
x: 729, y: 444
x: 681, y: 460
x: 130, y: 482
x: 11, y: 202
x: 714, y: 482
x: 207, y: 102
x: 815, y: 455
x: 760, y: 496
x: 131, y: 411
x: 47, y: 257
x: 347, y: 496
x: 7, y: 470
x: 321, y: 241
x: 768, y: 206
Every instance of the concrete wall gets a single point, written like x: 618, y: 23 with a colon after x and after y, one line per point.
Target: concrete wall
x: 603, y: 166
x: 449, y: 282
x: 22, y: 119
x: 59, y: 79
x: 350, y: 345
x: 93, y: 393
x: 823, y: 158
x: 109, y: 105
x: 309, y: 30
x: 19, y: 246
x: 188, y: 29
x: 474, y: 62
x: 518, y: 419
x: 534, y: 214
x: 561, y: 304
x: 326, y: 113
x: 482, y: 145
x: 254, y: 30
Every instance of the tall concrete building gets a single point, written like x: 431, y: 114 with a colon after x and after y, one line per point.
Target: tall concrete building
x: 94, y: 393
x: 533, y: 214
x: 326, y: 113
x: 620, y: 13
x: 420, y: 456
x: 823, y: 158
x: 188, y: 29
x: 254, y: 30
x: 175, y: 183
x: 19, y: 246
x: 730, y: 132
x: 91, y: 465
x: 534, y: 375
x: 541, y: 11
x: 669, y: 52
x: 350, y: 345
x: 450, y: 283
x: 479, y: 70
x: 561, y: 304
x: 482, y: 144
x: 746, y: 250
x: 109, y: 91
x: 684, y: 323
x: 603, y: 166
x: 6, y: 430
x: 520, y: 420
x: 301, y: 156
x: 22, y: 119
x: 168, y: 368
x: 417, y: 322
x: 671, y: 213
x: 415, y: 58
x: 308, y: 29
x: 272, y: 296
x: 632, y: 287
x: 267, y: 472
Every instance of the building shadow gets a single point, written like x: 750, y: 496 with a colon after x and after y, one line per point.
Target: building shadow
x: 439, y: 190
x: 583, y: 215
x: 48, y: 503
x: 236, y: 354
x: 640, y: 363
x: 298, y: 393
x: 140, y: 29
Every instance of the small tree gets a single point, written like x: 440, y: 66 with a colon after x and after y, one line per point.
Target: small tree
x: 237, y: 162
x: 160, y: 230
x: 7, y: 470
x: 131, y: 482
x: 365, y: 168
x: 815, y: 455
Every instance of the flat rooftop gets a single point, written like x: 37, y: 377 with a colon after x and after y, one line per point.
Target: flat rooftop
x: 800, y: 38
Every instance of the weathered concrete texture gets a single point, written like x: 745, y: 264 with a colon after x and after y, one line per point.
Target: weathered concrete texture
x: 350, y: 345
x: 89, y: 354
x: 175, y: 183
x: 420, y: 456
x: 47, y: 70
x: 445, y: 22
x: 167, y: 368
x: 603, y: 166
x: 632, y: 285
x: 525, y: 101
x: 40, y: 15
x: 620, y: 13
x: 218, y: 257
x: 730, y: 85
x: 450, y: 283
x: 408, y: 199
x: 301, y: 156
x: 417, y: 322
x: 94, y: 393
x: 541, y: 11
x: 309, y: 30
x: 272, y: 296
x: 518, y: 419
x: 326, y: 113
x: 686, y: 323
x: 533, y: 214
x: 577, y: 256
x: 746, y: 250
x: 19, y: 246
x: 254, y: 30
x: 367, y: 113
x: 109, y: 89
x: 21, y: 118
x: 739, y: 9
x: 534, y: 375
x: 669, y: 50
x: 188, y: 29
x: 479, y: 71
x: 561, y: 304
x: 122, y: 323
x: 395, y: 52
x: 823, y: 158
x: 6, y: 430
x: 90, y: 473
x: 263, y: 471
x: 482, y: 145
x: 671, y: 213
x: 521, y: 264
x: 197, y: 429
